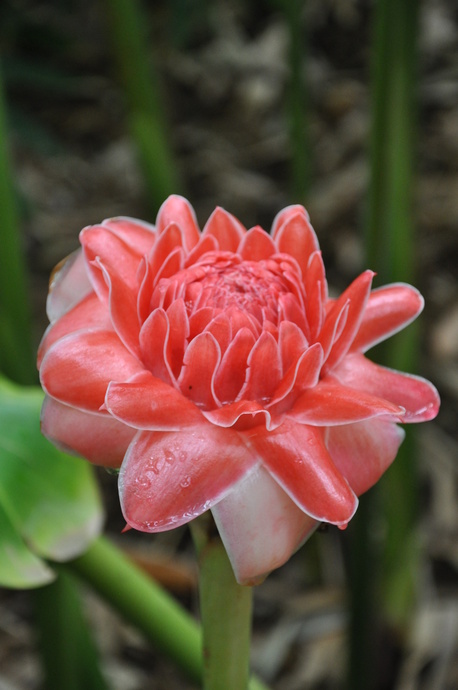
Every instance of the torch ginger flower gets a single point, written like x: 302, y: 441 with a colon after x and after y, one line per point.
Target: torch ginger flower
x: 215, y: 371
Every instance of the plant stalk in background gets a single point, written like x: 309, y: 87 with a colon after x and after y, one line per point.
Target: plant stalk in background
x: 390, y: 251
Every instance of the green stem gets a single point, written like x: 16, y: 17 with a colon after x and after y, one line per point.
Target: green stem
x: 297, y: 98
x: 141, y: 90
x: 16, y: 354
x: 146, y: 606
x: 226, y: 611
x: 390, y: 251
x: 391, y: 248
x: 68, y: 653
x: 142, y: 603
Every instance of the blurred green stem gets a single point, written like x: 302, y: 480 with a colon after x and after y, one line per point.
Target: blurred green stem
x: 297, y: 99
x: 146, y: 606
x: 141, y: 88
x: 226, y: 610
x: 16, y: 358
x: 390, y: 251
x: 67, y: 650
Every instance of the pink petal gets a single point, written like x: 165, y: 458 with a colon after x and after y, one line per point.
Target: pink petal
x: 206, y: 244
x: 169, y: 478
x: 220, y: 328
x: 68, y: 285
x: 200, y: 361
x: 295, y: 455
x: 301, y: 375
x: 87, y: 314
x: 332, y: 403
x: 177, y: 209
x: 96, y: 437
x: 355, y: 296
x: 294, y: 235
x: 363, y: 451
x: 418, y: 396
x: 99, y: 242
x: 290, y: 310
x: 145, y: 402
x: 171, y: 239
x: 256, y: 245
x: 242, y: 415
x: 316, y: 289
x: 261, y: 527
x: 178, y: 336
x: 291, y: 342
x: 388, y: 310
x: 123, y: 309
x: 140, y: 236
x: 226, y: 229
x: 154, y: 336
x: 231, y: 373
x: 263, y: 369
x: 78, y: 368
x: 200, y: 319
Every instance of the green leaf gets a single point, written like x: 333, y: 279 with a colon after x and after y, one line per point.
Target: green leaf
x: 49, y: 503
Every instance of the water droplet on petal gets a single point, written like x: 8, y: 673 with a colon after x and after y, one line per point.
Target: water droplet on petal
x: 185, y: 482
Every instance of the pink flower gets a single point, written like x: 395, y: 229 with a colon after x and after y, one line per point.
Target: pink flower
x: 216, y: 372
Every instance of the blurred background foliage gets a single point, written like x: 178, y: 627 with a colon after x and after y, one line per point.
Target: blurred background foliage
x: 349, y: 107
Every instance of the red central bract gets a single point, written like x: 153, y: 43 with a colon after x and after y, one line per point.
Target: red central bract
x: 216, y: 372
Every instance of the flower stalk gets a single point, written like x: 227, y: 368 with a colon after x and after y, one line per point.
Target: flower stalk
x: 226, y: 610
x: 147, y: 606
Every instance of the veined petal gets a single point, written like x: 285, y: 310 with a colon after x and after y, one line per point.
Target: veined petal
x: 78, y: 368
x: 261, y: 527
x: 145, y: 402
x: 256, y: 245
x: 294, y: 235
x: 418, y: 396
x: 68, y: 285
x: 363, y: 451
x: 169, y: 478
x: 227, y: 230
x: 177, y: 209
x: 200, y: 361
x: 296, y: 456
x: 331, y: 403
x: 87, y: 314
x: 94, y: 436
x: 388, y: 310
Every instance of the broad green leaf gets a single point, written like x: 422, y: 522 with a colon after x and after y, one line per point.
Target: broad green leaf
x: 48, y: 500
x: 19, y: 567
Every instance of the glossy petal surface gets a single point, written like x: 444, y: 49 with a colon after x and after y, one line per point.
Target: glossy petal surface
x: 214, y: 368
x: 260, y: 526
x: 170, y: 478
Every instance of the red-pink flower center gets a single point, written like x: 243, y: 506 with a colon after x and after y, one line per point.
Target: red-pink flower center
x: 254, y: 287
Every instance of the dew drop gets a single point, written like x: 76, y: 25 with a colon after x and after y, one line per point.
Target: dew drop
x: 185, y: 482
